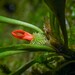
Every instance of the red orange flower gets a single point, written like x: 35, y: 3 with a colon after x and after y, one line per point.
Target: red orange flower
x: 21, y: 34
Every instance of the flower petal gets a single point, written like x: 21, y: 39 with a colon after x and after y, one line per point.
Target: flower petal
x: 28, y: 36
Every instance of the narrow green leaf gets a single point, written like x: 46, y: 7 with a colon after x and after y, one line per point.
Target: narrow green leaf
x: 23, y: 68
x: 55, y: 27
x: 40, y: 59
x: 8, y: 53
x: 17, y: 22
x: 27, y: 47
x: 58, y: 8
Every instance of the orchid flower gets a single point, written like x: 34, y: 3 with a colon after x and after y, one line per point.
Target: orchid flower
x: 21, y: 34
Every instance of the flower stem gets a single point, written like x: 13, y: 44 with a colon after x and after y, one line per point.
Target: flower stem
x: 17, y: 22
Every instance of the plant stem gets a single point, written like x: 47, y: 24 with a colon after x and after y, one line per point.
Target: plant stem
x: 17, y: 22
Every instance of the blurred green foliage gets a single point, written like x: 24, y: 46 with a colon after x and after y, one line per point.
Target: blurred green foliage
x: 70, y: 18
x: 31, y: 11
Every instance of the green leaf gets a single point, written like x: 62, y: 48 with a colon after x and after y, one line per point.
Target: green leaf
x: 21, y: 48
x: 58, y: 8
x: 8, y: 53
x: 23, y: 68
x: 17, y: 22
x: 55, y: 27
x: 15, y: 49
x: 41, y: 59
x: 27, y: 48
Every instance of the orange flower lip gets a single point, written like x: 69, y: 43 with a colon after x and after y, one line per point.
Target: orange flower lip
x: 21, y: 34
